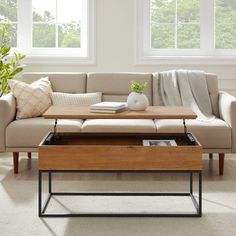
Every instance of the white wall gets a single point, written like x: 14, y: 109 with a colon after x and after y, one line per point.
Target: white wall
x: 115, y: 47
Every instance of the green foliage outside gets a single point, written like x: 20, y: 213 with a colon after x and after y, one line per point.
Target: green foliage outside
x: 69, y: 36
x: 225, y: 24
x: 138, y: 87
x: 44, y: 32
x: 8, y: 10
x: 44, y: 28
x: 9, y: 68
x: 46, y: 17
x: 163, y: 24
x: 44, y: 35
x: 165, y: 33
x: 8, y: 13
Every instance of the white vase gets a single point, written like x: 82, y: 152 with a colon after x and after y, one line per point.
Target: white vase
x: 137, y: 101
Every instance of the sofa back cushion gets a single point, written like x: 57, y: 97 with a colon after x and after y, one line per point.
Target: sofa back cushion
x: 115, y: 87
x: 212, y: 83
x: 60, y: 82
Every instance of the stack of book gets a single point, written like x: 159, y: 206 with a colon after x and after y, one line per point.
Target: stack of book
x: 108, y: 107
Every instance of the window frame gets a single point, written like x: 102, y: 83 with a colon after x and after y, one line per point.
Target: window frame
x: 83, y: 55
x: 207, y: 54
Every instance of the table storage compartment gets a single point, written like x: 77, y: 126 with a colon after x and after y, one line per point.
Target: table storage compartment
x: 93, y: 151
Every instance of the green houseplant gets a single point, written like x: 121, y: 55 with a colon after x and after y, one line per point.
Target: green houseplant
x: 138, y: 87
x: 136, y: 100
x: 9, y: 67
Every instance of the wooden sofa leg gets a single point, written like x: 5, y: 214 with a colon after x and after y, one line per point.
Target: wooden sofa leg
x: 29, y: 155
x: 210, y: 156
x: 221, y: 163
x: 16, y: 162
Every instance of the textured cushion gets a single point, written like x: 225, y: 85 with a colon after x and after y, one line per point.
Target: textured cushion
x: 86, y: 99
x: 214, y: 134
x: 32, y: 99
x: 30, y: 132
x: 119, y: 125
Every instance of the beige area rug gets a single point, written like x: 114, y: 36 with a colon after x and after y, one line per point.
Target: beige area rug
x: 19, y: 202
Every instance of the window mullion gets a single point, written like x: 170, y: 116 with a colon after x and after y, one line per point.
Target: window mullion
x: 144, y: 25
x: 56, y: 24
x: 24, y: 27
x: 84, y: 34
x: 176, y: 24
x: 207, y: 13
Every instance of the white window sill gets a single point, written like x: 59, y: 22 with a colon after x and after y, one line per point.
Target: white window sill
x: 187, y: 60
x: 58, y: 59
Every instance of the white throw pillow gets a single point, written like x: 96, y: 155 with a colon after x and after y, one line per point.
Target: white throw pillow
x: 31, y: 99
x: 80, y: 99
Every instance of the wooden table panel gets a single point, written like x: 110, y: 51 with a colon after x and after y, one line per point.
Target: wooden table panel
x: 152, y: 112
x: 118, y: 156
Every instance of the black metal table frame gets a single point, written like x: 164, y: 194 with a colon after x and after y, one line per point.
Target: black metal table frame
x: 197, y: 204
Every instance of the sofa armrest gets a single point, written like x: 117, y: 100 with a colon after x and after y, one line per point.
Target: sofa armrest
x: 7, y: 114
x: 227, y: 109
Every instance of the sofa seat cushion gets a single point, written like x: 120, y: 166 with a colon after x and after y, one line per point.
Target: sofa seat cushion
x: 119, y: 125
x: 30, y: 132
x: 215, y: 134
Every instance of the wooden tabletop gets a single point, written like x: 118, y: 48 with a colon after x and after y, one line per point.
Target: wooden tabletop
x: 152, y: 112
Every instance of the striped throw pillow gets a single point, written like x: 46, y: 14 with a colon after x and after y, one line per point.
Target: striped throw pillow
x: 80, y: 99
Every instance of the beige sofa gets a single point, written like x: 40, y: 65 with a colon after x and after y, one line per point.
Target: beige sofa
x: 218, y: 136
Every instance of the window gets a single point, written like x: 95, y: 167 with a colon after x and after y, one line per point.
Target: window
x: 60, y: 29
x: 186, y: 30
x: 57, y: 24
x: 175, y: 24
x: 8, y: 13
x: 225, y: 24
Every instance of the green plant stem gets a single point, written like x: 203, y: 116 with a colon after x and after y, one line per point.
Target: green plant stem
x: 3, y: 90
x: 2, y: 93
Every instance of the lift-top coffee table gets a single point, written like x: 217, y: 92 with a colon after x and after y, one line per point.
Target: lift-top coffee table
x: 120, y: 152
